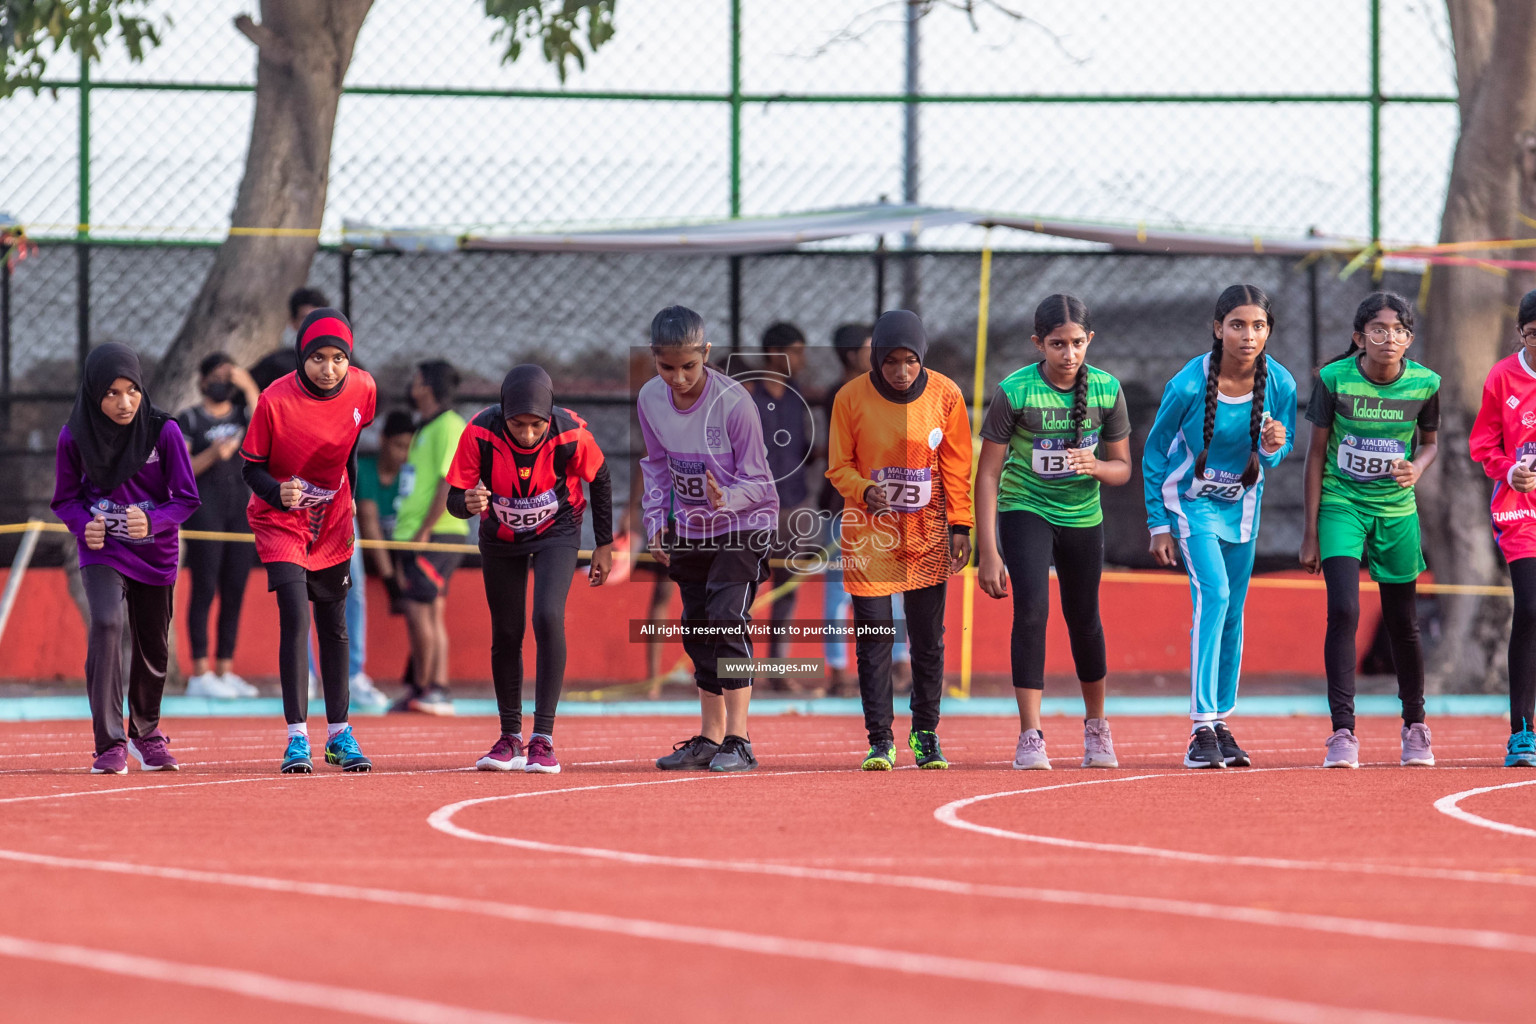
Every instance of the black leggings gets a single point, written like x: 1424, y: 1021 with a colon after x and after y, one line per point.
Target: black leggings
x: 925, y: 639
x: 1030, y: 545
x: 217, y: 568
x: 1399, y: 611
x: 506, y: 592
x: 296, y: 591
x: 1522, y: 646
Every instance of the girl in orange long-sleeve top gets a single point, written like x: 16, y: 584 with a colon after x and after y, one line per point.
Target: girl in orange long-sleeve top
x: 900, y: 455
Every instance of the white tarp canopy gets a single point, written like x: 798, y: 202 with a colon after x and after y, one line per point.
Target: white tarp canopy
x: 776, y: 234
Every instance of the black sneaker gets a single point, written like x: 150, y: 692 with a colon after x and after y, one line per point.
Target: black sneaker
x: 1204, y: 750
x: 692, y: 755
x: 403, y: 702
x: 1234, y: 755
x: 735, y: 756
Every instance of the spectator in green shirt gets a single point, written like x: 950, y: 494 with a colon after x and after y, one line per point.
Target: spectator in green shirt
x: 422, y: 576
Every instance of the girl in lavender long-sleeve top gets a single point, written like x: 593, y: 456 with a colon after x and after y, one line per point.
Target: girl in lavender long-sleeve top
x: 710, y: 508
x: 123, y: 486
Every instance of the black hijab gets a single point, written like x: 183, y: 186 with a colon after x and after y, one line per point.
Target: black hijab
x: 527, y: 390
x: 110, y: 452
x: 322, y: 327
x: 898, y: 328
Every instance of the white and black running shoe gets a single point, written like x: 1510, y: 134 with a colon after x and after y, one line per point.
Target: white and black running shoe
x: 1204, y: 750
x: 1234, y: 755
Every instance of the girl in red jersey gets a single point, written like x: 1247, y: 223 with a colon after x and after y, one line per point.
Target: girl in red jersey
x: 524, y: 460
x: 1504, y: 441
x: 300, y: 462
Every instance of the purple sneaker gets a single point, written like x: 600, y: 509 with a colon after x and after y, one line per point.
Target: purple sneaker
x: 112, y: 761
x: 153, y: 752
x: 505, y: 756
x: 541, y: 756
x: 1343, y: 750
x: 1416, y: 749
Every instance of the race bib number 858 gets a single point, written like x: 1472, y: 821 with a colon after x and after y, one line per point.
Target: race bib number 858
x: 688, y: 480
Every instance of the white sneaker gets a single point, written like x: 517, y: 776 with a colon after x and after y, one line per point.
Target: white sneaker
x: 365, y: 694
x: 239, y: 686
x: 1030, y: 753
x: 210, y: 685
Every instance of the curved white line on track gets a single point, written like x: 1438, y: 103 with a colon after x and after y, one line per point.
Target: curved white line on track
x: 253, y: 985
x: 1450, y: 805
x: 949, y: 814
x: 1476, y: 938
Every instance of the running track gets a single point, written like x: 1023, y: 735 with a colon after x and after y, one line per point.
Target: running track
x: 423, y: 893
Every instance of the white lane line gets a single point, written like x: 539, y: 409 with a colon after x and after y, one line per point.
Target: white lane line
x: 254, y: 985
x: 1450, y: 805
x: 1040, y: 979
x: 153, y: 787
x: 1475, y: 938
x: 949, y: 814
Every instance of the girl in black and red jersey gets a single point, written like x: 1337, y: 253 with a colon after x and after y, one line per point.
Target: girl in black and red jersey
x: 301, y: 464
x: 522, y: 464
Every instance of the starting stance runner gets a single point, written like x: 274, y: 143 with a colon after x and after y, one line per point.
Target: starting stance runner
x: 899, y: 452
x: 123, y: 485
x: 300, y: 462
x: 1239, y: 405
x: 1039, y: 465
x: 1504, y: 441
x: 525, y: 461
x: 1374, y: 414
x: 710, y: 508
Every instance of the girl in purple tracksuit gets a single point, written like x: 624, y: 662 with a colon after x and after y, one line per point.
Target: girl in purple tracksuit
x: 123, y: 485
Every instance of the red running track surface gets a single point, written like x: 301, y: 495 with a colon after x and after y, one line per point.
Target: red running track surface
x: 803, y: 891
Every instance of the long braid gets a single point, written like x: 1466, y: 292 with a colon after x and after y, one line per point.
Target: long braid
x: 1256, y: 419
x: 1079, y: 405
x: 1211, y: 391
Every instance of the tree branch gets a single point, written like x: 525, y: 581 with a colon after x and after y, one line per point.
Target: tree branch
x: 268, y: 45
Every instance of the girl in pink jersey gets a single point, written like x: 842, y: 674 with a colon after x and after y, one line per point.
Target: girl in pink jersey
x: 1504, y: 441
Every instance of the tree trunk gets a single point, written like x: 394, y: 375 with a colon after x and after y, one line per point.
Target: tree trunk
x: 303, y: 50
x: 1493, y: 181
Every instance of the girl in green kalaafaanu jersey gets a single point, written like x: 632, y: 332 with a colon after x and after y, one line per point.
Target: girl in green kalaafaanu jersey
x: 1055, y: 430
x: 1374, y: 416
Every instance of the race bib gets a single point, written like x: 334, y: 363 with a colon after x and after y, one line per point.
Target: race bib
x: 522, y: 514
x: 688, y: 480
x: 1049, y: 457
x: 312, y: 496
x: 907, y: 490
x: 116, y: 517
x: 1526, y: 455
x: 1218, y: 485
x: 405, y: 483
x: 1368, y: 458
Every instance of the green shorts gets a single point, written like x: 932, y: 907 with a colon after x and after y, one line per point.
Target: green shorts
x: 1388, y: 544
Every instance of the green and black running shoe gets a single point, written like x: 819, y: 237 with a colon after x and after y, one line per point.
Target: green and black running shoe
x: 881, y: 757
x: 925, y: 747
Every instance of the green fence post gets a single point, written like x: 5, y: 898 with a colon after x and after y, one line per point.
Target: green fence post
x: 735, y: 108
x: 1375, y: 121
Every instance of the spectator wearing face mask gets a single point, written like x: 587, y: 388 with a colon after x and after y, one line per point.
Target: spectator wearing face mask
x: 213, y: 429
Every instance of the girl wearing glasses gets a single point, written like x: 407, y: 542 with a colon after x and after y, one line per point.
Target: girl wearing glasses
x: 1504, y: 441
x: 1239, y: 405
x: 1375, y: 414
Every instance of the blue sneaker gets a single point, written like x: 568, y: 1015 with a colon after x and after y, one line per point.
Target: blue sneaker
x: 342, y: 749
x: 1521, y: 752
x: 296, y: 757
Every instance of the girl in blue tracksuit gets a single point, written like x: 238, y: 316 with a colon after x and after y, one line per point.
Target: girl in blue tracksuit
x: 1225, y: 418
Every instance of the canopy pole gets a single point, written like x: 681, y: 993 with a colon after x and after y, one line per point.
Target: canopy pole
x: 968, y: 598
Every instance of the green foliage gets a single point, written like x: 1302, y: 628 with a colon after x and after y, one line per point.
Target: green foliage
x: 556, y: 24
x: 34, y: 31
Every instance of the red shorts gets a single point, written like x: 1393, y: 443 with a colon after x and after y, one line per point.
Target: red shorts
x: 316, y: 538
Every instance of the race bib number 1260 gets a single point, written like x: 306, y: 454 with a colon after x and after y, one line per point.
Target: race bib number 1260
x: 523, y: 514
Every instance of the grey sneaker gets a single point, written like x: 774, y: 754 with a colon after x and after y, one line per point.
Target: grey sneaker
x: 1098, y: 747
x: 1029, y: 755
x: 735, y: 755
x: 1416, y: 749
x: 1343, y: 750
